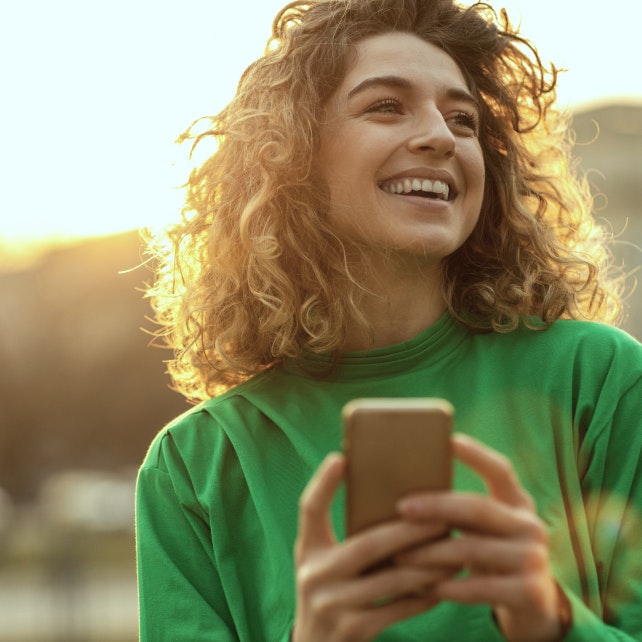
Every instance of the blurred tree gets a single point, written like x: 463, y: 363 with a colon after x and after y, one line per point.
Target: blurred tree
x: 79, y: 386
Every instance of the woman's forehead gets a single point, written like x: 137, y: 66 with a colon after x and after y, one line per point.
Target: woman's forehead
x: 402, y: 55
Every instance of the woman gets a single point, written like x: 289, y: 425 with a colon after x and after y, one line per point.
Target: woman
x: 391, y: 211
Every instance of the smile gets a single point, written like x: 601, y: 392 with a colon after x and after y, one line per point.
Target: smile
x: 418, y: 187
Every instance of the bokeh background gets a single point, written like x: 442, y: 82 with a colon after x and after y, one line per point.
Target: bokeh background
x: 93, y: 95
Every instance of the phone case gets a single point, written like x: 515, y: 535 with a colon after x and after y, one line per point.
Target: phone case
x: 393, y: 447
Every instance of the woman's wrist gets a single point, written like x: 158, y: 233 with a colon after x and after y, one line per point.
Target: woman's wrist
x: 556, y: 630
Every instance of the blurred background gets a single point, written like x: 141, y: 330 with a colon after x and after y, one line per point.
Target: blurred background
x: 94, y: 94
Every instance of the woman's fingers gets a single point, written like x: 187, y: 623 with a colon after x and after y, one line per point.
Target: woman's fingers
x: 378, y: 589
x: 315, y: 528
x: 360, y: 609
x: 365, y: 623
x: 526, y: 605
x: 495, y: 469
x: 485, y: 555
x: 473, y: 513
x: 365, y: 550
x: 512, y: 591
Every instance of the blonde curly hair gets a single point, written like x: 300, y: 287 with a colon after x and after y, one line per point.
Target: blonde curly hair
x: 253, y: 274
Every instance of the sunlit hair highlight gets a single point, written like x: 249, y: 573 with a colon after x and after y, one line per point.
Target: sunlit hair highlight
x: 253, y: 274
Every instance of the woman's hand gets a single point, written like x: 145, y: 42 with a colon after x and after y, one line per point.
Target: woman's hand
x: 503, y: 544
x: 336, y: 600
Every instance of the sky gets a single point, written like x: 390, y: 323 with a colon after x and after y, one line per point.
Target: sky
x: 94, y: 94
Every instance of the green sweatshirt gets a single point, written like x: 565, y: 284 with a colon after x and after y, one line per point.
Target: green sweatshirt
x: 217, y: 494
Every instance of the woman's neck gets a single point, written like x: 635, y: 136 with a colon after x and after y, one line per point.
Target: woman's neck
x: 400, y: 304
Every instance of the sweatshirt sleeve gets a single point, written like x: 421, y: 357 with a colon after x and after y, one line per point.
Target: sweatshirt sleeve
x: 611, y: 475
x: 193, y: 565
x: 177, y: 579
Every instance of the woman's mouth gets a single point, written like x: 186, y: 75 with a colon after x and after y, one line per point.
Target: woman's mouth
x: 423, y: 187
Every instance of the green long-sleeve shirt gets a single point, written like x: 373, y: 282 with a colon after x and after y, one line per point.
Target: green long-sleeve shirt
x: 218, y: 492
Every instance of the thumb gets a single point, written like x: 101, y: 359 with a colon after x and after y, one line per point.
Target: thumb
x: 315, y: 527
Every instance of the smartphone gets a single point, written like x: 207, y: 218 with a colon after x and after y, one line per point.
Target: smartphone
x: 393, y: 447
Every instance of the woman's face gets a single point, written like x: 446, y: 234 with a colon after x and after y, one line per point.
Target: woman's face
x: 399, y: 150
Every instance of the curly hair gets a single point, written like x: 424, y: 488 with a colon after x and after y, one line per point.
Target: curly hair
x: 254, y: 274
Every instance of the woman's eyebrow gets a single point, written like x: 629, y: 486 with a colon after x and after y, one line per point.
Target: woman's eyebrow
x: 399, y: 82
x: 394, y: 82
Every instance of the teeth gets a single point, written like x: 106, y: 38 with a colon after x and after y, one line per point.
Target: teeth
x: 407, y: 185
x: 441, y: 188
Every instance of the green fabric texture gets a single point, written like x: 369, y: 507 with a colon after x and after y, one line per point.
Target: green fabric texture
x: 218, y: 492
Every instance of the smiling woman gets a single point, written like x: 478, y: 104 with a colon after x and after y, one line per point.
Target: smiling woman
x: 387, y: 155
x: 391, y: 211
x: 384, y: 135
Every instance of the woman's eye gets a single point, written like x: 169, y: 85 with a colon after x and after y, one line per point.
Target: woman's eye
x: 385, y: 106
x: 466, y: 120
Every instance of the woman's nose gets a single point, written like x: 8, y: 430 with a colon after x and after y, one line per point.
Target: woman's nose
x: 432, y: 134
